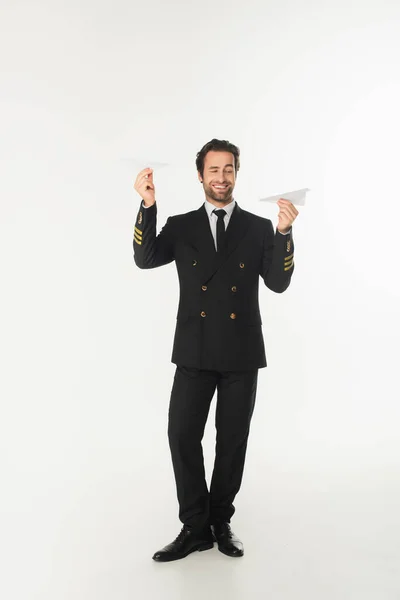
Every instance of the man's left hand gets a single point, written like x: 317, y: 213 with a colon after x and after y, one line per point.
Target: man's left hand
x: 287, y: 214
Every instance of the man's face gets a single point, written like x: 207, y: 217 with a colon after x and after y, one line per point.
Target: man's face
x: 219, y: 177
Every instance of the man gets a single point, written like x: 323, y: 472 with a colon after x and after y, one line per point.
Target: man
x: 220, y: 251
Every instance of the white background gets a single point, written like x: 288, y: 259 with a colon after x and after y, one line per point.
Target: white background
x: 310, y: 92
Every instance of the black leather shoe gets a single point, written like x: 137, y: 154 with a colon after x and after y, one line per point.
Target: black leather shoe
x: 228, y: 542
x: 186, y: 542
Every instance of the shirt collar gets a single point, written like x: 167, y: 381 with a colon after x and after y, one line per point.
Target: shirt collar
x: 228, y: 207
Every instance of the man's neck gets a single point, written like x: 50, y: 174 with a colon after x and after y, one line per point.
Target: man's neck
x: 219, y: 204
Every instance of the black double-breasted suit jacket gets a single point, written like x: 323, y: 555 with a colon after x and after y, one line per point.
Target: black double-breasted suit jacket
x: 218, y: 324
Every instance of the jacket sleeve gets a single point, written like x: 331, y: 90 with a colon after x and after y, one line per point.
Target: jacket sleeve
x: 277, y: 265
x: 151, y: 250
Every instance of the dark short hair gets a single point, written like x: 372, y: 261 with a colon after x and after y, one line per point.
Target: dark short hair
x: 217, y: 145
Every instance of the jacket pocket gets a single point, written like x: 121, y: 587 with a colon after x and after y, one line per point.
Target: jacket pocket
x: 249, y: 319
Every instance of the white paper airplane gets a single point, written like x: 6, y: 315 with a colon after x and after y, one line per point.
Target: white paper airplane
x: 297, y: 197
x: 143, y: 163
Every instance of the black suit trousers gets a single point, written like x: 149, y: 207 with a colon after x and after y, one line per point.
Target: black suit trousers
x: 191, y: 395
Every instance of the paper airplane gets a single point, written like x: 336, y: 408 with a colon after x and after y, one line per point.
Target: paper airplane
x: 297, y: 197
x: 143, y: 163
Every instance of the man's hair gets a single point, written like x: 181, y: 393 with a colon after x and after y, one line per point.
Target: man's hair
x: 221, y: 145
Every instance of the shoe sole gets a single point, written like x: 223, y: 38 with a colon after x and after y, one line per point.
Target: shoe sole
x: 199, y: 548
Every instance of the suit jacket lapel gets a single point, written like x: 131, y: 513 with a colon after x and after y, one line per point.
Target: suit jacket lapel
x: 237, y: 227
x: 201, y: 236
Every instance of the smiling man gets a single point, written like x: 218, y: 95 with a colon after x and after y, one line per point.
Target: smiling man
x: 220, y: 251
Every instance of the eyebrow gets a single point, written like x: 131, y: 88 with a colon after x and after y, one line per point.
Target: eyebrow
x: 215, y: 167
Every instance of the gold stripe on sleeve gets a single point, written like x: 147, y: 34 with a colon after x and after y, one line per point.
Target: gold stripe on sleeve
x: 288, y: 266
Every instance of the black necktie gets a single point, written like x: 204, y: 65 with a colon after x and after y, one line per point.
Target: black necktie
x: 220, y: 228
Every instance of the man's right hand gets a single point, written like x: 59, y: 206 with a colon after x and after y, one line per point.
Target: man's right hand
x: 145, y: 187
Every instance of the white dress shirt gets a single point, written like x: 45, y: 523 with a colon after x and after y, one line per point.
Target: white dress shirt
x: 228, y: 208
